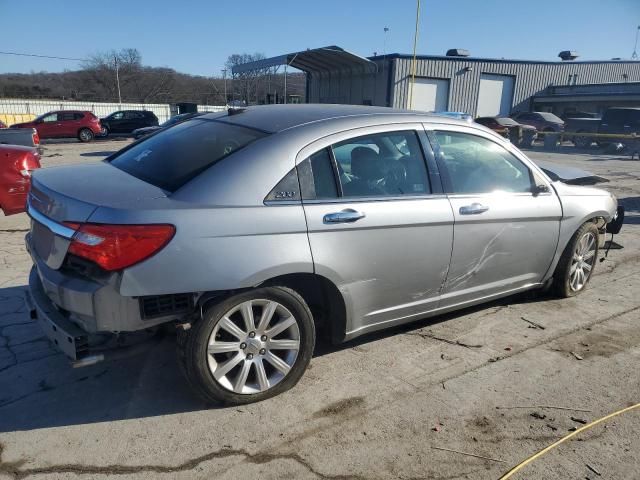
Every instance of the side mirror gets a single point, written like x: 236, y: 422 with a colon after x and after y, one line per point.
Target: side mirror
x: 538, y: 189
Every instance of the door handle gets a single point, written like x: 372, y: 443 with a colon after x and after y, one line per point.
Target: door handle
x: 345, y: 216
x: 473, y: 209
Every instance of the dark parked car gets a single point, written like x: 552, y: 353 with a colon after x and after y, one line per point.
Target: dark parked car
x: 65, y: 123
x: 623, y: 121
x: 543, y: 121
x: 126, y: 121
x: 141, y: 132
x: 518, y: 133
x: 16, y: 165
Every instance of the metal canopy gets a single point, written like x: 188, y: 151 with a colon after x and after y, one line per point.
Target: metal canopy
x: 313, y: 61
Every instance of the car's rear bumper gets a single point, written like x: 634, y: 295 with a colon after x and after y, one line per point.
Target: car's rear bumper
x: 92, y: 306
x: 67, y: 336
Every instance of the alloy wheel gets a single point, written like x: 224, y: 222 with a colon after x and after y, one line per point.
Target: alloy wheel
x: 582, y: 262
x: 253, y: 346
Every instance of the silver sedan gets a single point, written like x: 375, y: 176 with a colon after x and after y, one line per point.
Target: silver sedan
x: 252, y: 231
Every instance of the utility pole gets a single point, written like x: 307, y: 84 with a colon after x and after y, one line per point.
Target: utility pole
x: 115, y: 60
x: 413, y: 60
x: 224, y: 75
x: 634, y: 55
x: 285, y: 83
x: 384, y: 47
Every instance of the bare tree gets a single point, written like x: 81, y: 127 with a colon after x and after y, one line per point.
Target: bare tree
x: 245, y: 84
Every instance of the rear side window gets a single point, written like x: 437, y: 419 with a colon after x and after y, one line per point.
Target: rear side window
x: 383, y: 164
x: 317, y: 180
x: 172, y: 157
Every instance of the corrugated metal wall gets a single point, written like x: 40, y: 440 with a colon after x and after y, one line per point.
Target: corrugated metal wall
x: 530, y: 78
x: 353, y: 86
x: 389, y: 86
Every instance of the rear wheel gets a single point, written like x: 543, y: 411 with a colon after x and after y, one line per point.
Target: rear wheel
x: 85, y: 135
x: 582, y: 141
x: 248, y: 347
x: 577, y: 262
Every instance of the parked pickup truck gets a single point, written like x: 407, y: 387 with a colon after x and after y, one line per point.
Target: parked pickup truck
x: 619, y: 120
x: 27, y: 137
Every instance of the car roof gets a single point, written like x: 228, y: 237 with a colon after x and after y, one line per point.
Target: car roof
x: 276, y: 118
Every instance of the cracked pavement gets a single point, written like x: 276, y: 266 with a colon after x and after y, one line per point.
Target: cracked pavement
x: 373, y: 408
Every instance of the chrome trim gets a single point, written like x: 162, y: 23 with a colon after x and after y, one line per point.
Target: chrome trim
x: 394, y: 198
x: 55, y: 227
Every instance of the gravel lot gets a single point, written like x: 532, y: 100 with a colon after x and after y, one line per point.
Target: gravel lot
x: 474, y: 381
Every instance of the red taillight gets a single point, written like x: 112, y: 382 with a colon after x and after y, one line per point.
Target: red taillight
x: 115, y: 247
x: 27, y: 164
x: 36, y: 138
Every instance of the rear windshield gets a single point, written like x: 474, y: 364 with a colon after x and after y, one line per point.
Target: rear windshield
x: 506, y: 121
x: 550, y: 117
x: 174, y: 156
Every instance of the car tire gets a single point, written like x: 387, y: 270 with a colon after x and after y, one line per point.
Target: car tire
x: 227, y: 362
x: 577, y: 263
x: 582, y: 142
x: 104, y: 131
x: 85, y: 135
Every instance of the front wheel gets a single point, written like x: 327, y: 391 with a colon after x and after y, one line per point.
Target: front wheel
x: 248, y: 347
x: 104, y: 131
x: 85, y: 135
x: 577, y: 262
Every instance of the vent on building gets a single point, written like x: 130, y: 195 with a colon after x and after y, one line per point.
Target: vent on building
x: 457, y: 52
x: 567, y: 55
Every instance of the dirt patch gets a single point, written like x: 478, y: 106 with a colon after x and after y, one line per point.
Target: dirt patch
x: 341, y: 407
x: 604, y: 342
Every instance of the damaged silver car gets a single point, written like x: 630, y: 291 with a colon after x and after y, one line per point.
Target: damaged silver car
x: 254, y: 231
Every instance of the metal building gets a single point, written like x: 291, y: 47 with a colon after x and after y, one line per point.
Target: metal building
x: 478, y: 86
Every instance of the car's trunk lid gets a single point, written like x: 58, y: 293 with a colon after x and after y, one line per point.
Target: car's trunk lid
x: 71, y: 194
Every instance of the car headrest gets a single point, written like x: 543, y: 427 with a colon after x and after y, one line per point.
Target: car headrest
x: 366, y: 164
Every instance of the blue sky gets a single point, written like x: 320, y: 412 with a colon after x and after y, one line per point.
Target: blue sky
x: 197, y: 36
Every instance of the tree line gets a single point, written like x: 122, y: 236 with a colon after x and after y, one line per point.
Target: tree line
x: 96, y: 81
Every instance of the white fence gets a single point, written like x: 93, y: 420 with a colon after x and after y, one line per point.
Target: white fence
x: 26, y: 107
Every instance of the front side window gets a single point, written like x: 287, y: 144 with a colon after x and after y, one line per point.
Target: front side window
x: 383, y: 164
x: 174, y: 156
x: 117, y: 116
x: 478, y: 165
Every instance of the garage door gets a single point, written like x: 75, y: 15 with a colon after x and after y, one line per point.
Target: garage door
x: 430, y: 94
x: 495, y: 96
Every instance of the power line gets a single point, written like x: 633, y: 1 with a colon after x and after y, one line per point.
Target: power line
x: 19, y: 54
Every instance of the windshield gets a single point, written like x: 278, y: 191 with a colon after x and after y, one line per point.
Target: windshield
x: 172, y: 157
x: 550, y: 117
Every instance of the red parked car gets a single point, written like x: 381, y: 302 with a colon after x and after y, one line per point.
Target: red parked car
x: 2, y: 125
x: 65, y: 123
x: 16, y: 165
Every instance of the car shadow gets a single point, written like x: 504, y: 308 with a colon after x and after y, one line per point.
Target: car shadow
x: 40, y: 389
x: 325, y: 347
